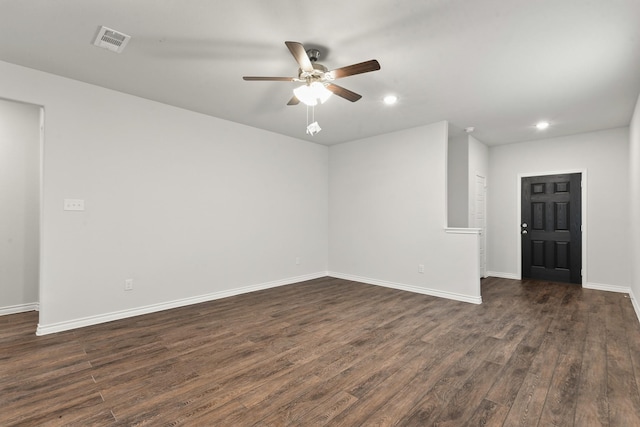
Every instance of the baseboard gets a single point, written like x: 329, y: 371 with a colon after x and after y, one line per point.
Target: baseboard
x: 20, y: 308
x: 409, y: 288
x: 609, y: 288
x: 44, y: 329
x: 502, y: 275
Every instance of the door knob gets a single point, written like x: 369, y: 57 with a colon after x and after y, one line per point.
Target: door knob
x: 524, y: 225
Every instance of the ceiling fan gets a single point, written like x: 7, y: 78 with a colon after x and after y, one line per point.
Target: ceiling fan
x: 316, y: 78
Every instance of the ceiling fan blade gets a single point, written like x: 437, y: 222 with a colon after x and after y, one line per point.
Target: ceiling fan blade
x: 344, y: 93
x: 293, y: 101
x: 300, y: 54
x: 350, y: 70
x: 274, y: 79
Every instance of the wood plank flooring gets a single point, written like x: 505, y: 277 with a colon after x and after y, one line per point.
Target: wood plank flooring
x: 334, y: 352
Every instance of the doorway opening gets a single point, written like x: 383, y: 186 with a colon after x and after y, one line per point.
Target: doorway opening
x: 21, y: 139
x: 551, y: 227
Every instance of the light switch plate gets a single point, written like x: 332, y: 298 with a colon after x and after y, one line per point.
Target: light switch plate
x: 73, y: 204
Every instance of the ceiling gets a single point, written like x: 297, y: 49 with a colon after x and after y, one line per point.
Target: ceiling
x: 496, y: 65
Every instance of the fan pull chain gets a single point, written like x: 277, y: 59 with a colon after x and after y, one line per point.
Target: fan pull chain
x: 313, y: 114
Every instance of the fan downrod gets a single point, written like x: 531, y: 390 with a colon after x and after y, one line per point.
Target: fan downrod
x: 313, y: 54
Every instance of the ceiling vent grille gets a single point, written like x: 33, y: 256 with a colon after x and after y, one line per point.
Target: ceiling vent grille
x: 112, y: 40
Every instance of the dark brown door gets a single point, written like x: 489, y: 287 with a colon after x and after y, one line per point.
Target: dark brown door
x: 551, y: 228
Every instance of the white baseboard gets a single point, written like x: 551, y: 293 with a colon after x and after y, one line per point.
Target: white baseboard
x: 609, y: 288
x: 20, y: 308
x: 409, y: 288
x: 44, y: 329
x: 502, y: 275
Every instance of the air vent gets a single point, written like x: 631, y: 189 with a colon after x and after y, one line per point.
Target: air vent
x: 111, y: 39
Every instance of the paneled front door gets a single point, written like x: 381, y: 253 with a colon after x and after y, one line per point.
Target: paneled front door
x: 551, y: 228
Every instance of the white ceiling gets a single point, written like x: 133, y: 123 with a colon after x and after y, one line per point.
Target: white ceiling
x: 496, y: 65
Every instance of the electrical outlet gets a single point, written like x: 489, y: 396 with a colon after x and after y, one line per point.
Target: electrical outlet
x: 128, y: 285
x: 420, y: 268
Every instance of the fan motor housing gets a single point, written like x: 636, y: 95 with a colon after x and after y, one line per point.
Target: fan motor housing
x: 318, y: 73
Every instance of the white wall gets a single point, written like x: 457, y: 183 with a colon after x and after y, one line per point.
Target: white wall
x: 634, y: 157
x: 458, y: 181
x: 604, y: 156
x: 387, y: 215
x: 467, y: 157
x: 189, y: 206
x: 19, y: 206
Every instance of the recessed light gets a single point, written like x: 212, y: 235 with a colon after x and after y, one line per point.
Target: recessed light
x: 542, y: 125
x: 390, y: 99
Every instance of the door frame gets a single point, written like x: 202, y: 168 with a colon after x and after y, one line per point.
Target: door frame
x: 472, y: 218
x: 583, y: 207
x: 41, y: 214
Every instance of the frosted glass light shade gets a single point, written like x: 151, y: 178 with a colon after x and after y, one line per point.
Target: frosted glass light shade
x: 312, y: 93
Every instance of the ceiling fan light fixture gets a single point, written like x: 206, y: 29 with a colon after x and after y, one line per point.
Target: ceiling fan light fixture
x: 310, y: 94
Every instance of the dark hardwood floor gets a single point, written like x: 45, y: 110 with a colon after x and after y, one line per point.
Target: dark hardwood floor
x: 334, y: 352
